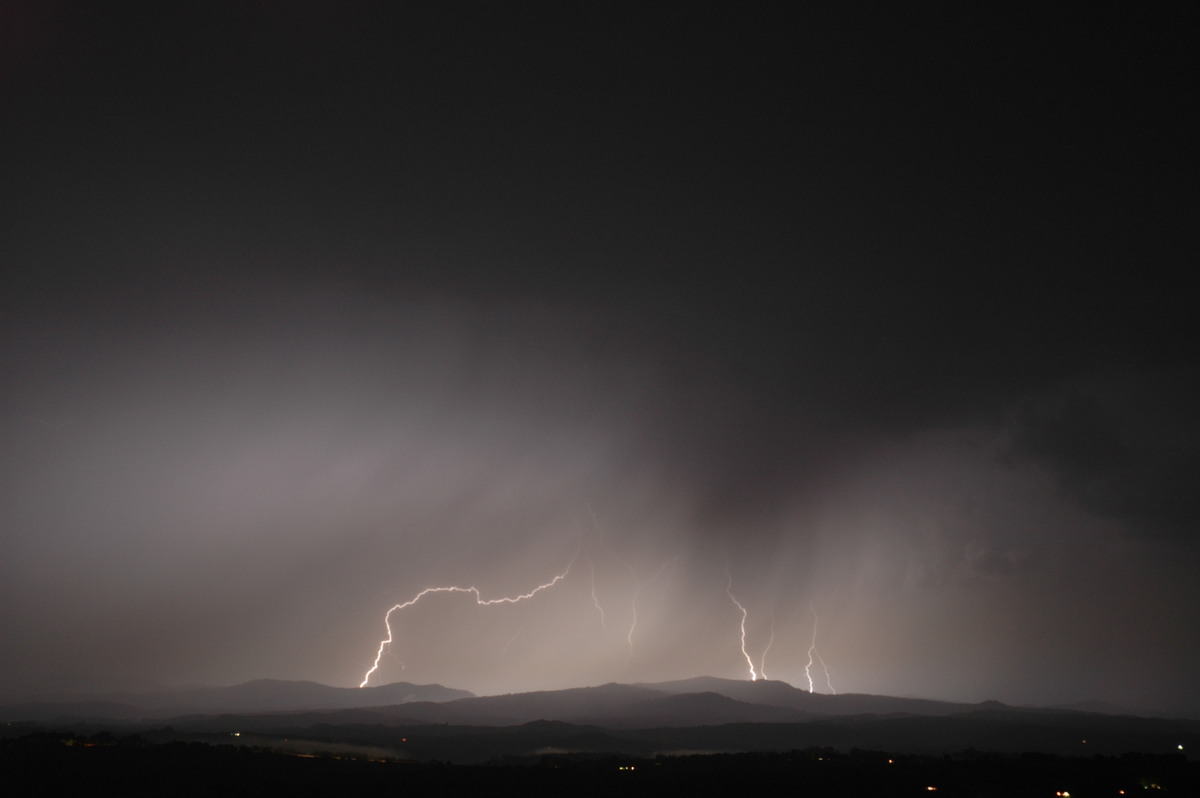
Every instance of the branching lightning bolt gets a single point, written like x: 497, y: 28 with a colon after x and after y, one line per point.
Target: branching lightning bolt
x: 762, y: 663
x: 738, y: 604
x: 479, y: 599
x: 628, y: 567
x: 812, y: 652
x: 811, y: 648
x: 639, y: 585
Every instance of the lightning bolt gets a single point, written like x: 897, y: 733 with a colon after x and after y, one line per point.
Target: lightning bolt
x: 825, y: 668
x: 633, y: 619
x: 479, y: 599
x: 511, y: 640
x: 812, y: 652
x: 762, y: 663
x: 637, y: 591
x: 638, y: 584
x: 595, y: 600
x: 738, y: 604
x: 628, y: 567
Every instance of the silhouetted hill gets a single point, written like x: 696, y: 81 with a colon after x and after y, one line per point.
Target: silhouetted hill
x: 782, y: 694
x: 69, y: 710
x: 259, y: 695
x: 609, y: 705
x: 578, y: 704
x: 686, y: 702
x: 704, y: 715
x: 1102, y: 707
x: 1014, y: 732
x: 697, y: 709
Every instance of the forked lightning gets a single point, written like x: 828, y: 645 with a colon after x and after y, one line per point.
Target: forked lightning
x: 479, y: 599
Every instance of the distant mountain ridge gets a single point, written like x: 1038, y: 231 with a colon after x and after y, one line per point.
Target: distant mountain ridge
x: 258, y: 695
x: 702, y: 700
x: 781, y: 694
x: 704, y: 714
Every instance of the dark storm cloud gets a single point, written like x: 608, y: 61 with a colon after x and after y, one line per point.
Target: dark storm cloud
x: 315, y: 309
x: 1127, y: 449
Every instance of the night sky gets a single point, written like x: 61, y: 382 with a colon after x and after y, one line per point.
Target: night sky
x: 879, y: 319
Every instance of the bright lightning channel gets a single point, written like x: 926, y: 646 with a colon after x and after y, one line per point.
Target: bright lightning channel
x: 762, y: 663
x: 812, y: 652
x: 639, y: 585
x: 628, y: 567
x: 824, y: 667
x: 595, y: 599
x: 738, y: 604
x: 479, y: 599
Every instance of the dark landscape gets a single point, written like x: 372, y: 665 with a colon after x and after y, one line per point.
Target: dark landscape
x: 705, y: 734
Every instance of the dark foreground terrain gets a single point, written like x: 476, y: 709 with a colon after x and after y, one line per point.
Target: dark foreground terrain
x: 694, y: 737
x: 46, y: 762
